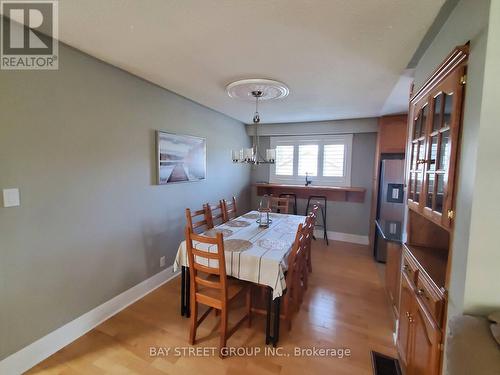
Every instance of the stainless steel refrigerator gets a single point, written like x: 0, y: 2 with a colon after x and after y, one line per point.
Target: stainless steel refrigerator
x: 390, y: 206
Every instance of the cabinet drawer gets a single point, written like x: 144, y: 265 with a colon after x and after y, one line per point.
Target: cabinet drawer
x: 409, y: 267
x: 431, y: 297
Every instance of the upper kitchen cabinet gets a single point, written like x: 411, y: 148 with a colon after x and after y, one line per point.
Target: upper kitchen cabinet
x: 392, y: 134
x: 433, y: 140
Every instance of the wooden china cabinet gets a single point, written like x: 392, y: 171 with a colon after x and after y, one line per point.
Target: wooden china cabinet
x: 435, y: 115
x: 433, y: 148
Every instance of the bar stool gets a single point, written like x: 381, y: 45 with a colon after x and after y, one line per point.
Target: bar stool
x: 290, y: 196
x: 320, y: 200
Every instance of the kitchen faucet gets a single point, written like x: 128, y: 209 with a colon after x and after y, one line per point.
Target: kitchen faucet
x: 308, y: 182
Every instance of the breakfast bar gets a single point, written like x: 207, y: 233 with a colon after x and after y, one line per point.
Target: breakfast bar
x: 332, y: 193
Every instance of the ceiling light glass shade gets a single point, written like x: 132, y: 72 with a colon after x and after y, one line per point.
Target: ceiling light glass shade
x: 270, y: 155
x: 245, y: 155
x: 237, y: 155
x: 248, y: 155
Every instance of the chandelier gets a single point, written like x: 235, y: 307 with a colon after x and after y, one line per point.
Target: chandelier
x: 258, y: 90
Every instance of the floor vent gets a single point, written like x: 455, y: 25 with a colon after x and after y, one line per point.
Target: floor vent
x: 385, y: 365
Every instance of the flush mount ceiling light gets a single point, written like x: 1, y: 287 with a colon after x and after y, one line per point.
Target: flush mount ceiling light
x: 256, y: 89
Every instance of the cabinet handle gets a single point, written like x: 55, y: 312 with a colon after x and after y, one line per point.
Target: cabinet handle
x: 451, y: 214
x: 409, y: 317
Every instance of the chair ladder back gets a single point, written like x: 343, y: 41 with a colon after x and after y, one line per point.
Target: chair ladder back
x: 214, y: 214
x: 196, y: 221
x: 309, y: 231
x: 310, y: 225
x: 229, y: 209
x: 292, y: 296
x: 195, y: 255
x: 295, y: 254
x: 279, y: 205
x: 314, y: 212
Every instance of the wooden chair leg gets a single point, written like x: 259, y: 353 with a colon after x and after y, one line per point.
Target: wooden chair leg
x: 194, y: 323
x: 249, y: 305
x: 223, y: 332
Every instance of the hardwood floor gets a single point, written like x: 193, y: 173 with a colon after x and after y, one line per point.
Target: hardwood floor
x: 344, y: 307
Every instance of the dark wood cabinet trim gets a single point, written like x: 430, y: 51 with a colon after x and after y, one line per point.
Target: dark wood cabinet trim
x: 458, y: 56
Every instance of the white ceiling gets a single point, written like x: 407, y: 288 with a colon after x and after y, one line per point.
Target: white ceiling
x: 340, y: 58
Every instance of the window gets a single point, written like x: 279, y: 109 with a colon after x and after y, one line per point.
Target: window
x: 308, y: 160
x: 325, y: 159
x: 284, y: 160
x: 333, y: 160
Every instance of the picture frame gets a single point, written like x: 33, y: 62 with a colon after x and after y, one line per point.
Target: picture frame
x: 180, y: 158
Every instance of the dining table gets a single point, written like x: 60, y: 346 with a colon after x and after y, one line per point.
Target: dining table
x: 253, y: 253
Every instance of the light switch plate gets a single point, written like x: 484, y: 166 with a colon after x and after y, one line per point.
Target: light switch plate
x: 11, y: 198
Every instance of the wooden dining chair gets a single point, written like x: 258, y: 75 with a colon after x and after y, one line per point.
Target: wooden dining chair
x: 279, y: 205
x: 229, y: 209
x: 292, y: 296
x: 211, y: 287
x: 310, y: 224
x: 214, y: 214
x: 197, y: 221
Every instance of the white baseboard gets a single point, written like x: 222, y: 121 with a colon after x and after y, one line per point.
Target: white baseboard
x: 345, y: 237
x: 44, y: 347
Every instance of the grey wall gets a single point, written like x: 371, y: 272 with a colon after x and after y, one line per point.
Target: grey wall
x: 79, y: 143
x: 344, y: 217
x: 468, y: 21
x: 482, y: 289
x: 360, y: 125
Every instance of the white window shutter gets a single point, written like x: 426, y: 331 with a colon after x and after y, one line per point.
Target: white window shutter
x: 308, y: 160
x: 333, y: 160
x: 284, y: 160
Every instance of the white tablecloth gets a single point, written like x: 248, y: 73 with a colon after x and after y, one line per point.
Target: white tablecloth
x: 264, y: 260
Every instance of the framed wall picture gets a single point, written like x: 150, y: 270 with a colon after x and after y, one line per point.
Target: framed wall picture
x: 180, y: 158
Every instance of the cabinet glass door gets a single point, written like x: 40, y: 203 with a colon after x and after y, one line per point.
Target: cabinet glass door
x: 438, y: 156
x: 416, y: 170
x: 445, y: 103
